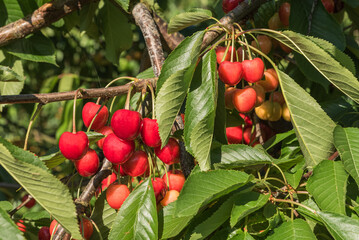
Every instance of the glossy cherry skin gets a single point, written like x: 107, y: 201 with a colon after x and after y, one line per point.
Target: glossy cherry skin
x: 53, y: 224
x: 234, y: 135
x: 73, y: 145
x: 228, y: 97
x: 116, y: 194
x: 105, y: 130
x: 136, y: 165
x: 88, y: 228
x: 329, y: 5
x: 270, y: 82
x: 88, y: 113
x: 248, y: 135
x: 265, y: 44
x: 244, y: 100
x: 31, y: 203
x: 220, y: 53
x: 110, y: 179
x: 229, y: 5
x: 277, y: 97
x: 269, y: 110
x: 21, y: 226
x: 284, y: 13
x: 88, y: 164
x: 126, y: 124
x: 117, y: 150
x: 170, y: 197
x: 44, y: 233
x: 118, y: 166
x: 253, y: 70
x: 159, y: 187
x: 261, y: 94
x: 149, y: 132
x: 169, y: 154
x: 176, y: 180
x: 230, y: 72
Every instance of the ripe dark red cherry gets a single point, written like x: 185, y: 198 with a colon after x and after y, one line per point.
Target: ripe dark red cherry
x: 116, y: 194
x: 253, y: 70
x: 31, y: 203
x: 220, y: 53
x: 87, y: 228
x: 265, y: 44
x: 107, y: 181
x: 169, y: 154
x: 277, y: 97
x: 247, y: 119
x: 88, y: 164
x: 284, y: 12
x: 149, y: 132
x: 105, y: 130
x: 230, y: 72
x: 117, y: 150
x: 73, y: 145
x: 159, y: 187
x: 88, y: 113
x: 245, y: 99
x: 234, y: 135
x: 44, y: 233
x: 136, y: 165
x: 248, y: 135
x: 329, y: 5
x: 176, y: 180
x: 117, y: 167
x: 229, y: 5
x: 126, y: 124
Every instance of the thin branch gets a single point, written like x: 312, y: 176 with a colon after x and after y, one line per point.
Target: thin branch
x: 42, y: 17
x: 29, y: 198
x: 45, y: 98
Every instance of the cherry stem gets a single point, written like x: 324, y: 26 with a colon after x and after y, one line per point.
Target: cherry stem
x: 128, y: 98
x: 153, y: 100
x: 166, y: 173
x: 232, y: 44
x: 116, y: 79
x: 32, y: 120
x: 245, y: 40
x: 74, y: 112
x: 29, y: 198
x: 292, y: 202
x: 78, y: 190
x: 280, y: 170
x: 219, y: 24
x: 112, y: 103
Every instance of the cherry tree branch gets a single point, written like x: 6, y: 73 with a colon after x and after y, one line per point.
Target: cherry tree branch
x: 42, y: 17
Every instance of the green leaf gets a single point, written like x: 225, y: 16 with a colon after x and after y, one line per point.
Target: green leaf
x: 279, y: 137
x: 33, y: 216
x: 203, y: 187
x: 6, y: 206
x: 239, y: 155
x: 264, y: 13
x: 245, y: 204
x: 295, y: 174
x: 292, y: 230
x: 352, y: 3
x: 123, y: 3
x: 137, y: 217
x: 331, y: 69
x: 201, y: 110
x: 313, y: 127
x: 174, y: 81
x: 214, y: 221
x: 36, y: 48
x: 347, y: 143
x: 8, y: 228
x: 340, y: 226
x: 87, y: 15
x: 328, y: 186
x: 66, y: 83
x: 309, y: 214
x: 36, y: 182
x: 148, y: 73
x: 322, y: 24
x: 118, y: 37
x: 104, y: 216
x: 240, y: 235
x: 9, y: 75
x: 186, y: 19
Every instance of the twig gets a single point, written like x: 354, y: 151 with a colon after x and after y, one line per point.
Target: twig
x: 45, y: 98
x: 29, y: 198
x: 42, y: 17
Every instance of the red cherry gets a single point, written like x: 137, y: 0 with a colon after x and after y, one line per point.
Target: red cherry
x: 228, y: 96
x: 244, y: 100
x: 277, y: 97
x: 44, y: 233
x: 73, y: 145
x: 170, y: 197
x: 88, y: 113
x: 88, y: 164
x: 253, y: 70
x: 21, y: 226
x: 136, y: 165
x: 271, y: 80
x: 110, y: 179
x: 247, y: 119
x: 149, y: 132
x: 329, y: 5
x: 31, y: 203
x: 229, y: 5
x: 248, y: 136
x: 53, y: 224
x: 234, y: 135
x: 88, y: 228
x: 284, y: 12
x: 230, y: 72
x: 176, y: 180
x: 220, y: 53
x: 261, y: 94
x: 126, y: 124
x: 159, y: 187
x: 118, y: 166
x: 117, y: 150
x: 105, y: 130
x: 169, y: 154
x: 116, y: 194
